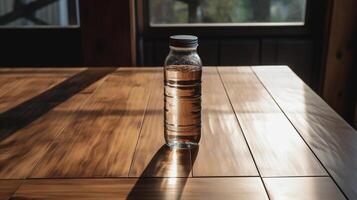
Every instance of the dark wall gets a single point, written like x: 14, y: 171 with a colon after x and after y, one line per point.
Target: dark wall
x: 103, y: 39
x: 105, y: 29
x: 298, y: 53
x: 24, y: 47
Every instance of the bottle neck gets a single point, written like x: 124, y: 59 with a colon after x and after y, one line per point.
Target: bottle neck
x: 183, y: 49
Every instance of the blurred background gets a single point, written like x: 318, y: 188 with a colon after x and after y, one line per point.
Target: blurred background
x: 316, y: 38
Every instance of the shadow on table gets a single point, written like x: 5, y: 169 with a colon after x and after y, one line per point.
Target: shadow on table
x: 30, y: 110
x: 166, y: 175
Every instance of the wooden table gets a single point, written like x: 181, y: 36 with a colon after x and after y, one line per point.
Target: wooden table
x: 69, y: 133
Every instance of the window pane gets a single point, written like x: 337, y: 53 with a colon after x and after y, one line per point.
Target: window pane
x: 15, y: 13
x: 226, y: 12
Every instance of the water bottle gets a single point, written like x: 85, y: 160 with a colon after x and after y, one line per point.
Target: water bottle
x: 182, y: 80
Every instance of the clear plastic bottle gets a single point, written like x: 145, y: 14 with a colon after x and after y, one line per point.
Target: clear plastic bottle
x: 183, y: 72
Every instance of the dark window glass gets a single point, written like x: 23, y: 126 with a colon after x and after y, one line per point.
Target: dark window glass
x: 29, y: 13
x: 226, y: 12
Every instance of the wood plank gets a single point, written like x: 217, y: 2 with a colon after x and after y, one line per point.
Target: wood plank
x: 23, y: 114
x: 309, y: 188
x: 23, y: 90
x: 8, y: 84
x: 20, y: 152
x: 145, y: 188
x: 332, y: 139
x: 152, y: 157
x: 26, y: 84
x: 28, y: 72
x: 12, y: 78
x: 101, y: 141
x: 276, y: 146
x: 8, y: 188
x: 223, y: 150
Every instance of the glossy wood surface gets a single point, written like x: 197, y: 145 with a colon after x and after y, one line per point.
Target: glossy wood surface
x: 107, y: 122
x: 332, y: 139
x: 148, y: 188
x: 276, y: 146
x: 152, y: 157
x: 8, y: 188
x: 100, y: 142
x: 222, y: 145
x: 19, y: 86
x: 21, y: 151
x: 302, y: 188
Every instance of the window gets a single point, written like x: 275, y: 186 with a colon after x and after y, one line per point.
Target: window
x: 29, y: 13
x: 226, y: 12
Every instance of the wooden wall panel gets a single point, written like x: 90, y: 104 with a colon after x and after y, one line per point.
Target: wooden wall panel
x: 106, y: 32
x: 340, y: 76
x: 161, y: 51
x: 239, y: 52
x: 298, y: 55
x: 269, y: 49
x: 208, y: 51
x: 148, y: 53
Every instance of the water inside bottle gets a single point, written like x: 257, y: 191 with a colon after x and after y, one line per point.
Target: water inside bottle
x: 183, y: 105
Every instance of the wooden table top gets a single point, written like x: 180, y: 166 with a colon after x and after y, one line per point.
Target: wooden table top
x: 97, y: 133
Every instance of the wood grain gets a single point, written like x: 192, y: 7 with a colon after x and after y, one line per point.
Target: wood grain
x: 26, y: 72
x: 20, y: 152
x: 112, y: 126
x: 24, y: 86
x: 147, y: 188
x: 106, y: 40
x: 22, y: 90
x: 309, y: 188
x: 222, y: 146
x: 100, y: 142
x: 332, y: 140
x: 276, y: 146
x: 152, y: 157
x: 7, y: 84
x: 339, y: 78
x: 8, y: 188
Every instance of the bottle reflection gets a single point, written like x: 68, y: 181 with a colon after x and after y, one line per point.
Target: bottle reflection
x: 172, y: 166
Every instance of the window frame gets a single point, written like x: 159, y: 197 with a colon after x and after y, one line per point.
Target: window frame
x: 49, y: 26
x: 47, y: 45
x: 236, y: 29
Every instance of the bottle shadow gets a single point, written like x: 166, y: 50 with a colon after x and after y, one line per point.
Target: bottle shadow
x: 166, y: 174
